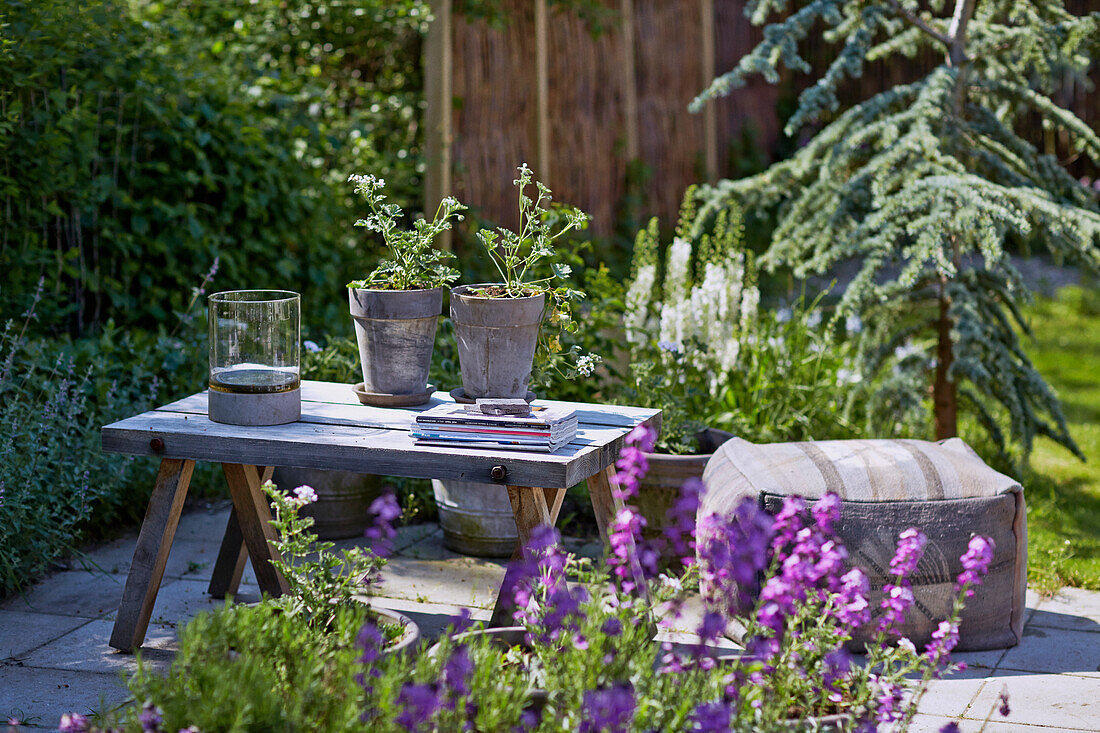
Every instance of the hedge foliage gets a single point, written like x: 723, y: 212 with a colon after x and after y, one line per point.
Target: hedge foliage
x: 140, y: 141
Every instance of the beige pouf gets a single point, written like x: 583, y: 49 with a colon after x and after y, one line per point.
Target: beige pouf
x: 886, y: 486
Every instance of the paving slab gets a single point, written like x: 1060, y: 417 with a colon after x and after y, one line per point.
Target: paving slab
x: 71, y: 593
x: 22, y: 632
x: 951, y: 697
x: 1055, y: 651
x: 930, y: 723
x: 466, y: 582
x: 181, y: 600
x: 985, y: 660
x: 1070, y: 608
x: 205, y: 524
x: 86, y: 649
x: 432, y: 618
x: 188, y: 558
x: 1054, y: 700
x: 998, y: 726
x: 41, y: 696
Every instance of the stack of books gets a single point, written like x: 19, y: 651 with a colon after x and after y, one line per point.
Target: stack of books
x: 544, y: 429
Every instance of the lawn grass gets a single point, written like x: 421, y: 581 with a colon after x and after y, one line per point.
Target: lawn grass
x: 1063, y: 494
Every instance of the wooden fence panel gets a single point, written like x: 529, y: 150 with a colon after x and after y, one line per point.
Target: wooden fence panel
x: 623, y: 94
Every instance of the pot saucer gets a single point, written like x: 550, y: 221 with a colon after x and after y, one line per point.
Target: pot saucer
x: 458, y: 394
x: 380, y: 399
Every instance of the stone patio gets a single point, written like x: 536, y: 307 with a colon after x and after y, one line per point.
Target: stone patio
x: 55, y: 657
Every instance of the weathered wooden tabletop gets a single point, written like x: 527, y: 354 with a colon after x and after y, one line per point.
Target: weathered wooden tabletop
x: 337, y: 432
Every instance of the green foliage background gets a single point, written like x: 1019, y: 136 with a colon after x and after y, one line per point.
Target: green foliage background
x: 140, y: 143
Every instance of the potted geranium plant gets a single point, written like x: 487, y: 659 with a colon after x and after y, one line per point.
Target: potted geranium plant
x: 396, y: 307
x: 497, y: 324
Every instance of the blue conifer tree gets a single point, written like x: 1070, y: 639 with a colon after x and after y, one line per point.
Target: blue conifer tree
x: 928, y: 185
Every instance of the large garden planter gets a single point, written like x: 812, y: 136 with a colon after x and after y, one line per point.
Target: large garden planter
x: 396, y: 334
x: 343, y: 501
x: 476, y: 518
x: 496, y: 341
x: 407, y: 642
x: 661, y: 486
x: 659, y: 489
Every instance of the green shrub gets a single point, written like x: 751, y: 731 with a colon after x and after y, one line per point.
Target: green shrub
x: 142, y: 142
x: 257, y: 668
x: 56, y: 486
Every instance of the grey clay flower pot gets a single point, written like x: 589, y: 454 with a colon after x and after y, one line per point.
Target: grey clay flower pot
x: 496, y: 341
x: 396, y: 333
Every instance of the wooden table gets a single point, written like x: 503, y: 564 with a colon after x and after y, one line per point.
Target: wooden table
x: 335, y: 432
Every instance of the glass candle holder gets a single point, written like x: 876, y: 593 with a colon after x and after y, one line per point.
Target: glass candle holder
x: 255, y: 357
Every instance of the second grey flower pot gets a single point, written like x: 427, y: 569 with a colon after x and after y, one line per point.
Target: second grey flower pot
x: 396, y: 334
x: 496, y: 341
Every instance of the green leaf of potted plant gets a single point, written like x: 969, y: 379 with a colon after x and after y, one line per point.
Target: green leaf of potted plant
x: 397, y: 306
x: 497, y: 325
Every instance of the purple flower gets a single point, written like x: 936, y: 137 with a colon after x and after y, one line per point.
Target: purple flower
x: 1004, y: 710
x: 975, y: 562
x: 951, y: 727
x: 150, y: 718
x: 624, y: 537
x: 889, y: 701
x: 896, y: 602
x: 826, y: 511
x: 608, y: 710
x: 679, y: 533
x: 731, y: 554
x: 911, y: 544
x: 543, y: 600
x: 944, y: 639
x: 417, y: 704
x: 852, y: 608
x: 528, y: 720
x: 612, y: 627
x: 711, y: 717
x: 73, y: 723
x: 632, y: 463
x: 711, y: 627
x: 788, y: 522
x: 371, y: 642
x: 461, y: 622
x: 385, y: 510
x: 456, y: 674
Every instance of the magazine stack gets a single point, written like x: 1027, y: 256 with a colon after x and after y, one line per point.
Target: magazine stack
x: 493, y: 424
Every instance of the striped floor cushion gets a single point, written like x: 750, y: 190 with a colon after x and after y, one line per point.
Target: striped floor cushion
x: 886, y: 486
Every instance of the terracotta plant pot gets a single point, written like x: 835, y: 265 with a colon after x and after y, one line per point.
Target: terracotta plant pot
x: 496, y: 341
x: 396, y: 334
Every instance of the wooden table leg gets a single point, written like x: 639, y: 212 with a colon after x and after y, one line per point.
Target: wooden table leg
x: 229, y: 567
x: 151, y: 554
x: 254, y: 517
x: 531, y: 507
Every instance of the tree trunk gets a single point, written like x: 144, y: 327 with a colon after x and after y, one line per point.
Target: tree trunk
x: 944, y: 395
